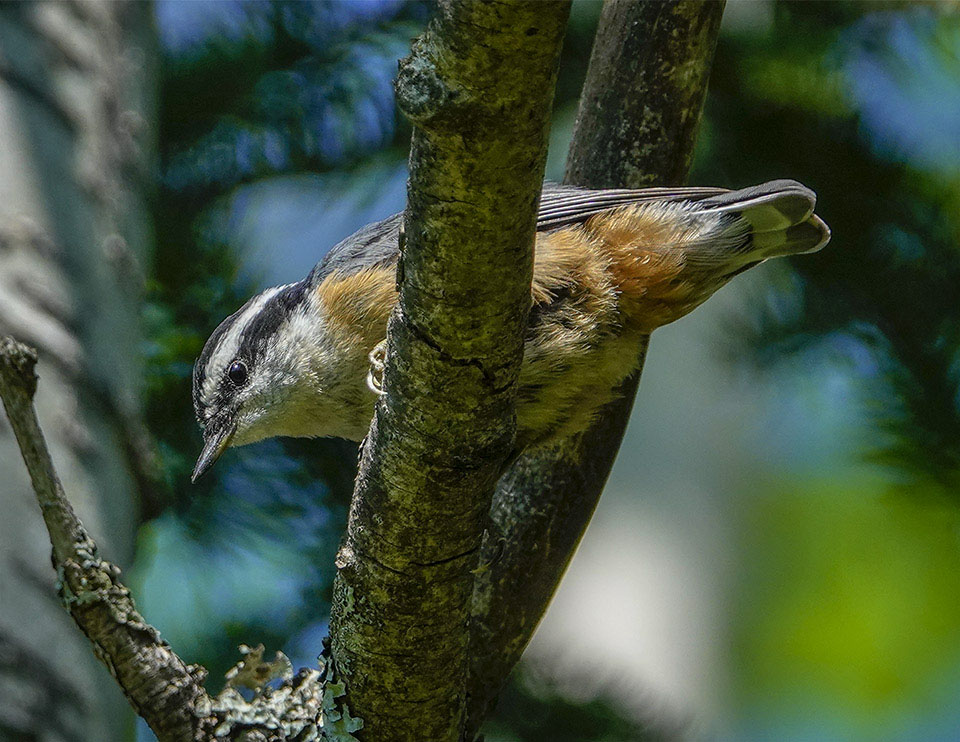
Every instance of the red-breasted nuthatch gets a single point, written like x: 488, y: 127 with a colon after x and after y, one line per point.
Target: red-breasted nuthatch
x: 610, y: 266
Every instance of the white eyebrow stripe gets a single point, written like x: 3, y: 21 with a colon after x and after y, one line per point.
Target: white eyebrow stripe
x: 229, y: 344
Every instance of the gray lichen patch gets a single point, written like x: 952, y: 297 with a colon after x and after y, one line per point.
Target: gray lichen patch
x: 308, y: 706
x: 253, y: 673
x: 337, y: 723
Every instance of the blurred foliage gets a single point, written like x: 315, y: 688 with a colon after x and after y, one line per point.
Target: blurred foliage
x: 862, y: 106
x: 860, y: 622
x: 845, y: 623
x: 847, y: 598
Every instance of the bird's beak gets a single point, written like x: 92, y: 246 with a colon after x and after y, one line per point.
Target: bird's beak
x: 215, y: 442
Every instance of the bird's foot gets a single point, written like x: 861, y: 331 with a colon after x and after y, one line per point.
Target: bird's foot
x: 378, y: 360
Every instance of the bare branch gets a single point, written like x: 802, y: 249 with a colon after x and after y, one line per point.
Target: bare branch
x: 478, y: 88
x: 644, y: 92
x: 636, y: 126
x: 160, y: 686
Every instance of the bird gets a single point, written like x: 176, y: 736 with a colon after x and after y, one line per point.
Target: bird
x: 610, y: 266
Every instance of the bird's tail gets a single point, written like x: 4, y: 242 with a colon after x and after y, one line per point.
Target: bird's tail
x: 668, y: 256
x: 780, y: 218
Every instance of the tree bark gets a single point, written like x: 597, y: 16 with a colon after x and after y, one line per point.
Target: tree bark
x: 644, y: 92
x: 478, y: 88
x: 74, y: 98
x: 636, y: 127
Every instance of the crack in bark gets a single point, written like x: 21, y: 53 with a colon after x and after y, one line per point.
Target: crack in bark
x: 447, y: 560
x: 488, y: 376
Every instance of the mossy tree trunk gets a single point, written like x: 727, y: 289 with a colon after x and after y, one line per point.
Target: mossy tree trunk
x: 478, y: 89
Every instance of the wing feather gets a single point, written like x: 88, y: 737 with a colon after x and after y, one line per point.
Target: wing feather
x: 561, y: 206
x: 377, y: 244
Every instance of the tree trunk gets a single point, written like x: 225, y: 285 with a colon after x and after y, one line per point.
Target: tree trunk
x: 636, y: 127
x: 74, y: 99
x: 478, y: 89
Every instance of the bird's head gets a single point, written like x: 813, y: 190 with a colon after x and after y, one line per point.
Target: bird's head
x: 253, y: 369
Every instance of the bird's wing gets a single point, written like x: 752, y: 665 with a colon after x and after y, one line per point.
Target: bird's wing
x: 561, y: 206
x: 376, y: 244
x: 779, y: 212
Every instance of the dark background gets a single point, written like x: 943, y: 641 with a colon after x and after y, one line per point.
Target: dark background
x: 777, y: 553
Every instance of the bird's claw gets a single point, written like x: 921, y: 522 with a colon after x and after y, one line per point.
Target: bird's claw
x: 378, y: 360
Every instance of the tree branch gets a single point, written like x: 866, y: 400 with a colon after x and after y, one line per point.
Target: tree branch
x: 478, y: 88
x: 644, y: 92
x: 636, y: 126
x: 160, y: 686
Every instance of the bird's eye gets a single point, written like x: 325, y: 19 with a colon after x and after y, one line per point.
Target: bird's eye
x: 237, y: 373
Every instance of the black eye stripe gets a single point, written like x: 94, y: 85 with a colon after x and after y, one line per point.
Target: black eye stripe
x: 201, y: 367
x: 256, y: 335
x: 254, y: 339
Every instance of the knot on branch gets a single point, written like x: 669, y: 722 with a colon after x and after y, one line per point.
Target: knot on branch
x: 424, y: 94
x: 18, y: 363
